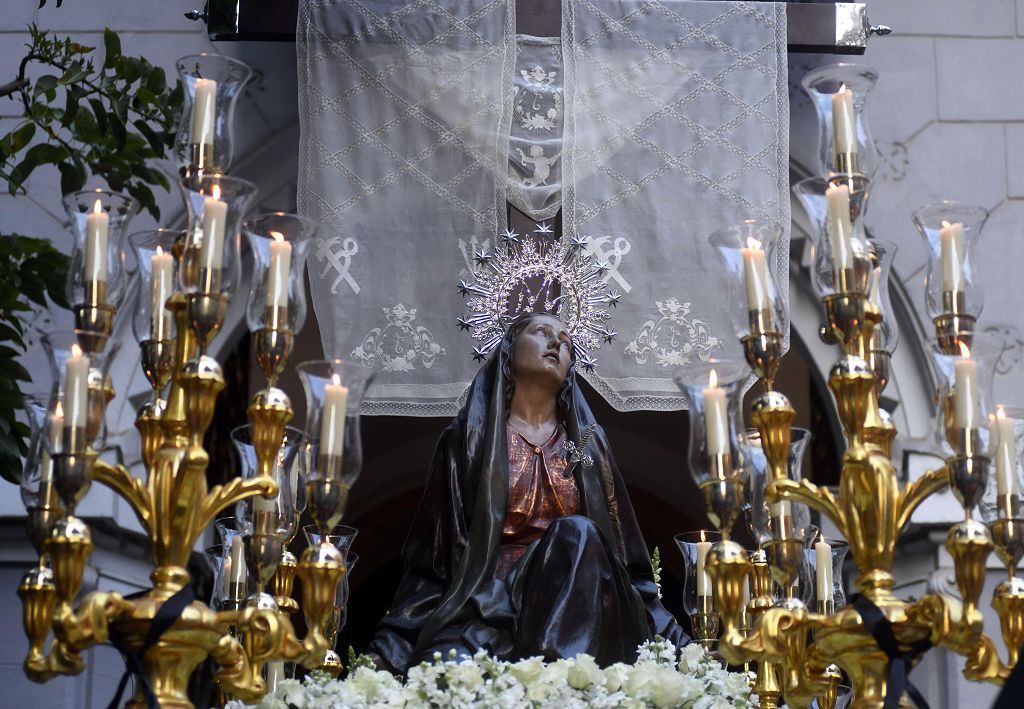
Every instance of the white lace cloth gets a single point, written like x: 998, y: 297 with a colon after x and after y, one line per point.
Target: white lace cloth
x: 649, y: 124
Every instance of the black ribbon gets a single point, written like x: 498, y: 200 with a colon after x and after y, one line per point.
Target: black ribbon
x: 1012, y: 694
x: 900, y: 663
x: 165, y: 617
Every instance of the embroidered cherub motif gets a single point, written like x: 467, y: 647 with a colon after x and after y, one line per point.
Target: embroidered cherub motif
x: 541, y: 165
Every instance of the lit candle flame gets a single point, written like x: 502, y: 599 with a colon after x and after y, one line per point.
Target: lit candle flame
x: 335, y: 379
x: 965, y: 351
x: 59, y: 411
x: 1000, y: 412
x: 97, y: 208
x: 842, y: 88
x: 945, y: 224
x: 753, y: 243
x: 76, y: 351
x: 712, y: 380
x: 159, y: 251
x: 215, y: 192
x: 277, y: 236
x: 702, y: 537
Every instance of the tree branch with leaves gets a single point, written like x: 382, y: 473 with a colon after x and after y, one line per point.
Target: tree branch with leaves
x: 115, y: 121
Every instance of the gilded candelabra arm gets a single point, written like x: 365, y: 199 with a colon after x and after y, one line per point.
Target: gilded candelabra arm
x: 918, y: 491
x: 819, y: 498
x: 234, y: 676
x: 221, y: 496
x: 133, y: 490
x: 782, y: 637
x: 944, y: 616
x: 76, y: 631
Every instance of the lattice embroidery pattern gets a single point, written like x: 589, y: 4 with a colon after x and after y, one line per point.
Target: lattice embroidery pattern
x: 593, y: 103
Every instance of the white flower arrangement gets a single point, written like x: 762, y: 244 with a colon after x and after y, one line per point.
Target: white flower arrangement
x: 696, y: 681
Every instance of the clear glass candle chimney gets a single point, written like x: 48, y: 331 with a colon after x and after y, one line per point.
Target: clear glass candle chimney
x: 748, y: 251
x: 213, y: 83
x: 279, y: 243
x: 840, y: 94
x: 99, y: 221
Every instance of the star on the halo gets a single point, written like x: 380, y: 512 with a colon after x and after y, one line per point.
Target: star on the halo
x: 609, y: 335
x: 463, y: 287
x: 483, y: 256
x: 510, y: 237
x: 463, y: 324
x: 479, y: 354
x: 602, y: 267
x: 578, y: 242
x: 543, y: 228
x: 588, y: 363
x: 613, y: 298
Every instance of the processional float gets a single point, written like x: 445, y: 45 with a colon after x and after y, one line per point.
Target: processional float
x: 184, y: 282
x: 803, y: 644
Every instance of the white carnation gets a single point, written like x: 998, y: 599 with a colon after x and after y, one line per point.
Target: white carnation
x: 584, y: 673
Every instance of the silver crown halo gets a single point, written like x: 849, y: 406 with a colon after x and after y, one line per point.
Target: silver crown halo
x: 527, y: 273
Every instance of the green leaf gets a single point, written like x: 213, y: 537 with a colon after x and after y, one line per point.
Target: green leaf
x: 45, y: 83
x: 156, y: 81
x: 112, y: 45
x: 17, y: 139
x: 70, y: 110
x: 75, y: 73
x: 100, y: 111
x: 72, y: 177
x: 39, y: 154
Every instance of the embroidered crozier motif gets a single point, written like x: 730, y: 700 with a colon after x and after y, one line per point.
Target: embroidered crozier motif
x: 398, y: 345
x: 682, y: 338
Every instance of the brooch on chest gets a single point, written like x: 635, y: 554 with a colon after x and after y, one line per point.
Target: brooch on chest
x: 576, y: 453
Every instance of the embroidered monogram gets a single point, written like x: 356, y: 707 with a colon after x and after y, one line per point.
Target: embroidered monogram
x: 399, y: 345
x: 681, y: 338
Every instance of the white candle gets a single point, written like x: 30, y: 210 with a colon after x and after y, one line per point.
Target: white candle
x: 823, y: 571
x: 55, y: 438
x: 214, y: 216
x: 966, y: 404
x: 162, y: 266
x: 275, y: 674
x: 332, y: 419
x: 226, y: 572
x: 293, y: 482
x: 703, y: 580
x: 844, y: 121
x: 76, y: 390
x: 1003, y: 441
x: 97, y: 224
x: 269, y: 504
x: 238, y: 570
x: 277, y: 279
x: 951, y: 256
x: 874, y: 294
x: 755, y: 275
x: 716, y: 420
x: 840, y: 228
x: 204, y: 112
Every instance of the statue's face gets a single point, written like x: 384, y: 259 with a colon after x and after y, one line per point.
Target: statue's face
x: 543, y: 351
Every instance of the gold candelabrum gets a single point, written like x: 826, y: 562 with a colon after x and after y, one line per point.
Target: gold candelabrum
x: 802, y: 653
x: 173, y: 503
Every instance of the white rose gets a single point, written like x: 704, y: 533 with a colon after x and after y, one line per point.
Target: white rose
x: 527, y: 671
x: 365, y: 681
x: 692, y: 654
x: 638, y: 683
x: 673, y: 689
x: 584, y: 672
x: 615, y: 676
x: 466, y: 675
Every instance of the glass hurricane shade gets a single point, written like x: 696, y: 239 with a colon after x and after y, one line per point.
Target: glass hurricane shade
x: 216, y: 205
x: 98, y: 221
x: 334, y: 395
x: 886, y: 335
x: 840, y: 95
x: 841, y: 259
x: 37, y: 469
x: 748, y: 252
x: 1006, y: 475
x: 81, y: 393
x: 154, y: 281
x: 965, y: 392
x: 281, y: 506
x: 694, y: 546
x: 760, y: 519
x: 228, y: 585
x: 809, y: 584
x: 951, y: 231
x: 205, y: 139
x: 279, y: 243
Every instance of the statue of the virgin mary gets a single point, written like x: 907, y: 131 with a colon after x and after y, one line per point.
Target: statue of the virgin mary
x: 525, y: 543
